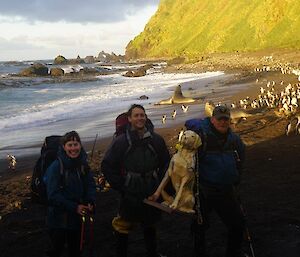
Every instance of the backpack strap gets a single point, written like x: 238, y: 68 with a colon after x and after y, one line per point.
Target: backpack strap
x: 63, y: 174
x: 203, y: 148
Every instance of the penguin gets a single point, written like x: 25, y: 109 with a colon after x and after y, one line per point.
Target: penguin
x: 174, y: 114
x: 180, y: 134
x: 184, y: 108
x: 288, y: 129
x: 298, y: 125
x: 163, y: 120
x: 12, y: 161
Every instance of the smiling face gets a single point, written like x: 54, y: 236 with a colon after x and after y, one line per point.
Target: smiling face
x: 72, y: 148
x: 137, y: 118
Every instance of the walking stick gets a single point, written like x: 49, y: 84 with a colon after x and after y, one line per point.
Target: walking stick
x: 197, y: 195
x: 247, y: 233
x: 94, y: 146
x: 82, y: 233
x: 91, y: 243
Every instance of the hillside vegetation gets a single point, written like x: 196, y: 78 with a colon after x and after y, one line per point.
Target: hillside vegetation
x: 191, y: 27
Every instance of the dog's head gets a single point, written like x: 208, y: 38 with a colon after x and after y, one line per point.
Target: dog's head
x: 190, y: 140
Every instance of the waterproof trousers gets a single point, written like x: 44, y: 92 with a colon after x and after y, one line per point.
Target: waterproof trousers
x: 60, y: 237
x: 121, y: 231
x: 225, y: 203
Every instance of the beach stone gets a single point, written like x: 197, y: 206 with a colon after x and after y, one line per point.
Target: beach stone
x: 87, y: 70
x: 89, y: 59
x: 60, y: 60
x: 144, y: 97
x: 140, y: 72
x: 128, y: 74
x: 137, y: 73
x: 57, y: 72
x: 78, y: 60
x: 36, y: 69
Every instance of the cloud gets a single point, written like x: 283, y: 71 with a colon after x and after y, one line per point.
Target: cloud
x: 98, y: 11
x: 44, y: 40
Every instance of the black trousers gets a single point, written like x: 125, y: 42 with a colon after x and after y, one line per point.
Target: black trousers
x: 226, y: 204
x: 60, y: 237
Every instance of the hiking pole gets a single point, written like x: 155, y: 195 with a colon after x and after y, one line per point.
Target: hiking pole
x: 91, y: 243
x: 197, y: 195
x: 247, y: 233
x: 82, y: 232
x: 94, y: 146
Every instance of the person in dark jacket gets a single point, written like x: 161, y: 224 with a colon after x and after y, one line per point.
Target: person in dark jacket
x: 70, y: 195
x: 219, y: 168
x: 134, y: 165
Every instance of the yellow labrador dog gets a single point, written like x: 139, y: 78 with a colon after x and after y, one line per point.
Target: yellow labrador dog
x: 181, y: 173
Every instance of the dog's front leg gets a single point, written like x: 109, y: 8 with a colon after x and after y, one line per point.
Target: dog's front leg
x: 174, y: 205
x: 162, y: 184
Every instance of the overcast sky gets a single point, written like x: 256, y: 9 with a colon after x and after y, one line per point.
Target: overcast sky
x: 40, y: 29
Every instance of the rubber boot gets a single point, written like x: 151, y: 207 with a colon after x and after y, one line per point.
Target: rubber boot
x: 234, y: 243
x: 150, y: 241
x: 122, y: 244
x: 199, y: 244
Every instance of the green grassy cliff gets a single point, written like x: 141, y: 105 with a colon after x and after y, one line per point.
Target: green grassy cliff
x: 192, y: 27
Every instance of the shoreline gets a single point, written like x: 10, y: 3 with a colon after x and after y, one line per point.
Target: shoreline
x: 26, y: 163
x: 248, y: 87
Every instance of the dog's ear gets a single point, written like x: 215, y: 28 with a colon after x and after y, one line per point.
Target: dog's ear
x: 198, y: 142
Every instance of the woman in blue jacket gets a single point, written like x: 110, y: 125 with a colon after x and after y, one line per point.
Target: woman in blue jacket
x: 71, y: 194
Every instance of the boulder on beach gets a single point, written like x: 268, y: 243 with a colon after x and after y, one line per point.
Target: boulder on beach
x: 87, y: 70
x: 60, y: 60
x: 143, y: 97
x: 89, y: 59
x: 37, y: 69
x: 57, y: 72
x: 140, y: 72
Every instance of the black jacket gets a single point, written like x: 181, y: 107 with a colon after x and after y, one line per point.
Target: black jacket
x: 135, y: 167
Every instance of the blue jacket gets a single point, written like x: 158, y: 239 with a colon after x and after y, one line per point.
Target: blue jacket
x: 221, y: 156
x: 65, y: 193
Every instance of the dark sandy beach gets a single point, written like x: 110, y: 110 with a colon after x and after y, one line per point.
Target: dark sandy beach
x: 269, y: 190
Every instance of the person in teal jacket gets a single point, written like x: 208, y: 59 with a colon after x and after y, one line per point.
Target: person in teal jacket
x: 71, y: 194
x: 220, y: 163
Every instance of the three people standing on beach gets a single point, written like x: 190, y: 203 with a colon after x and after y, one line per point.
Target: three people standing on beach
x: 71, y: 194
x: 134, y: 165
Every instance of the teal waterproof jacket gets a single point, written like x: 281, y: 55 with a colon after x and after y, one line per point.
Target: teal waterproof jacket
x: 66, y: 192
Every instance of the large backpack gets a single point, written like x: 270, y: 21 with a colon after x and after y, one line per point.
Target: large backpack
x: 121, y: 124
x: 48, y: 155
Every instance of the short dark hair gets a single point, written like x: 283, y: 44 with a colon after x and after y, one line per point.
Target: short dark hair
x: 129, y: 112
x: 70, y: 136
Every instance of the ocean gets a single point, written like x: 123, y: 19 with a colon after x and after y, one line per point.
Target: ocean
x: 33, y: 110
